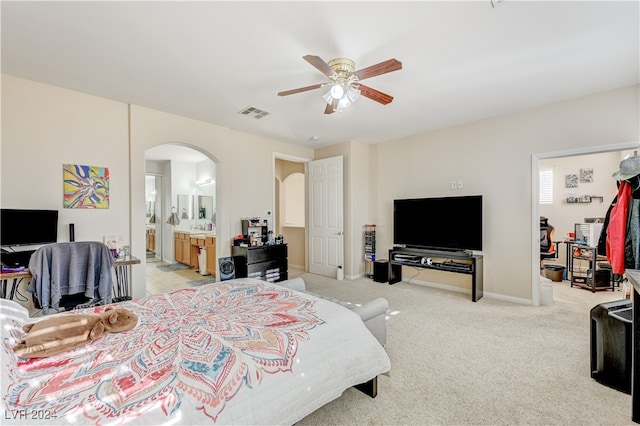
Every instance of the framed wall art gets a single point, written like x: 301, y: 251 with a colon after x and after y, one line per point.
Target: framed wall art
x: 586, y: 175
x: 571, y: 180
x: 85, y: 187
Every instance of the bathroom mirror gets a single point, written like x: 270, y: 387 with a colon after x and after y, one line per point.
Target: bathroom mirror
x: 205, y: 207
x: 185, y: 207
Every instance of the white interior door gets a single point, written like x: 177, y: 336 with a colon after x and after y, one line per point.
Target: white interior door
x: 326, y: 251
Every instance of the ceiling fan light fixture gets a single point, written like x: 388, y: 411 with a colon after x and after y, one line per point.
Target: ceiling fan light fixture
x: 337, y: 91
x: 353, y: 93
x: 344, y: 81
x: 343, y: 102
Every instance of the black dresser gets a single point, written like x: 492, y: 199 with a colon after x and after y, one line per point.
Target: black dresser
x: 266, y: 263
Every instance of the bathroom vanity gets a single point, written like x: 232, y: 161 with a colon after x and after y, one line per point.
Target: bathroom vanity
x: 188, y: 245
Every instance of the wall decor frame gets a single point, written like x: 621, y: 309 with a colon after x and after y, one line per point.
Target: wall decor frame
x: 85, y: 187
x: 571, y: 180
x: 586, y: 175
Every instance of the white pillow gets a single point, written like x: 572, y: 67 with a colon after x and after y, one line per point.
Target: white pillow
x: 12, y: 315
x: 12, y: 318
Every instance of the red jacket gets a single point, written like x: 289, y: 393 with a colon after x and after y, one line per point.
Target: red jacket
x: 617, y: 229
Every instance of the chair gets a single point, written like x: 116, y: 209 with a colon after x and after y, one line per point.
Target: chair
x: 75, y: 272
x: 548, y: 248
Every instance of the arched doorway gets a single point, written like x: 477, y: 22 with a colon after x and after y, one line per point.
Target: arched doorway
x: 188, y: 187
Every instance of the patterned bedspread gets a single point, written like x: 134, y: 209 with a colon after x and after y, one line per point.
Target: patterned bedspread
x: 241, y: 351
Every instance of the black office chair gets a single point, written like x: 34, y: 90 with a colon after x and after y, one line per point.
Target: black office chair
x: 548, y: 248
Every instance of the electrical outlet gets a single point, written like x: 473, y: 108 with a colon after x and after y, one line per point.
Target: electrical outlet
x: 454, y: 184
x: 460, y: 185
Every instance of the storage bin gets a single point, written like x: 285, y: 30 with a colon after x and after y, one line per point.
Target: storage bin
x: 554, y: 272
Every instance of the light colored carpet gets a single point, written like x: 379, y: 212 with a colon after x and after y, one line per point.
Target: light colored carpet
x: 455, y: 362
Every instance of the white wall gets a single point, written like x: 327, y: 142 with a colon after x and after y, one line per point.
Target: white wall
x: 44, y: 127
x: 493, y: 157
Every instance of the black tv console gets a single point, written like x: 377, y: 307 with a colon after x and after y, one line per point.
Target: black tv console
x: 461, y: 262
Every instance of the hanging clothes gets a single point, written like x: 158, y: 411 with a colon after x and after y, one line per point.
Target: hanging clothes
x: 602, y: 240
x: 632, y: 240
x: 617, y: 229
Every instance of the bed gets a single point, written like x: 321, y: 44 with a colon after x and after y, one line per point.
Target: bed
x: 237, y: 352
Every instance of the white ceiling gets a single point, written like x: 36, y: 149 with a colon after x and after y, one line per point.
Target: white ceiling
x: 462, y: 61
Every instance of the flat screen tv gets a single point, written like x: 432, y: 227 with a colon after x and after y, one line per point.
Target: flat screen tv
x: 20, y: 227
x: 449, y: 223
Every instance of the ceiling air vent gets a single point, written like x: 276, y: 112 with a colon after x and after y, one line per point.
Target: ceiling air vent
x: 253, y: 112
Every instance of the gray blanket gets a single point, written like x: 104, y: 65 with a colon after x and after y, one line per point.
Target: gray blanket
x: 71, y: 268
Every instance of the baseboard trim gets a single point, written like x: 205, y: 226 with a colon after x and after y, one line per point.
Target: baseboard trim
x: 486, y: 294
x: 439, y: 286
x: 511, y: 299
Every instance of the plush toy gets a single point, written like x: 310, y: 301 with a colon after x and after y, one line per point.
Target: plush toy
x: 61, y: 333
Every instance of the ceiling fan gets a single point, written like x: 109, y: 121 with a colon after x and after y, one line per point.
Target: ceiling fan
x: 344, y: 81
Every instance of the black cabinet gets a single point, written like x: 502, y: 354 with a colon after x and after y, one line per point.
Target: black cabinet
x: 266, y: 263
x: 460, y: 262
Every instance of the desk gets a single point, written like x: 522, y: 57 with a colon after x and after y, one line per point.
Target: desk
x: 17, y: 277
x: 634, y: 278
x: 121, y: 287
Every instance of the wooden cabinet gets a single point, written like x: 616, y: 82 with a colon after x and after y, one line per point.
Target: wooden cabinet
x: 210, y: 246
x: 187, y: 249
x: 182, y: 248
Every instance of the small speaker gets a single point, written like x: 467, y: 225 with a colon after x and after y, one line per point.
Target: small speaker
x: 226, y: 268
x: 72, y: 233
x: 381, y: 271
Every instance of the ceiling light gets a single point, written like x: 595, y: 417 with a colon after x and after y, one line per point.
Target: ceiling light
x: 353, y: 93
x: 344, y: 102
x: 344, y: 84
x: 337, y: 91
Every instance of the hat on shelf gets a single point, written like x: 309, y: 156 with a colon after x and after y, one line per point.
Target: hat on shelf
x: 629, y: 167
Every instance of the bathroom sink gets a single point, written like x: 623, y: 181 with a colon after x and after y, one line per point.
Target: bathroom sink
x: 202, y: 234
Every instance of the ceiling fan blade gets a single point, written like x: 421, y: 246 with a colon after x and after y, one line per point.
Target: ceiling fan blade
x: 321, y: 65
x: 330, y: 109
x: 300, y: 89
x: 375, y: 95
x: 381, y: 68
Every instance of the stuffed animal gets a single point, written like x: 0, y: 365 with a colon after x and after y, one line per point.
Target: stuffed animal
x: 61, y: 333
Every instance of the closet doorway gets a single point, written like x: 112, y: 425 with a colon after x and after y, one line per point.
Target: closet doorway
x: 290, y: 209
x: 566, y: 167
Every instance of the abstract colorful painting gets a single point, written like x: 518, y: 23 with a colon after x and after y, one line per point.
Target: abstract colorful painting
x: 85, y: 187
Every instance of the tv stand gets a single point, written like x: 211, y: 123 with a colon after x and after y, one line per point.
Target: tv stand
x: 457, y: 261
